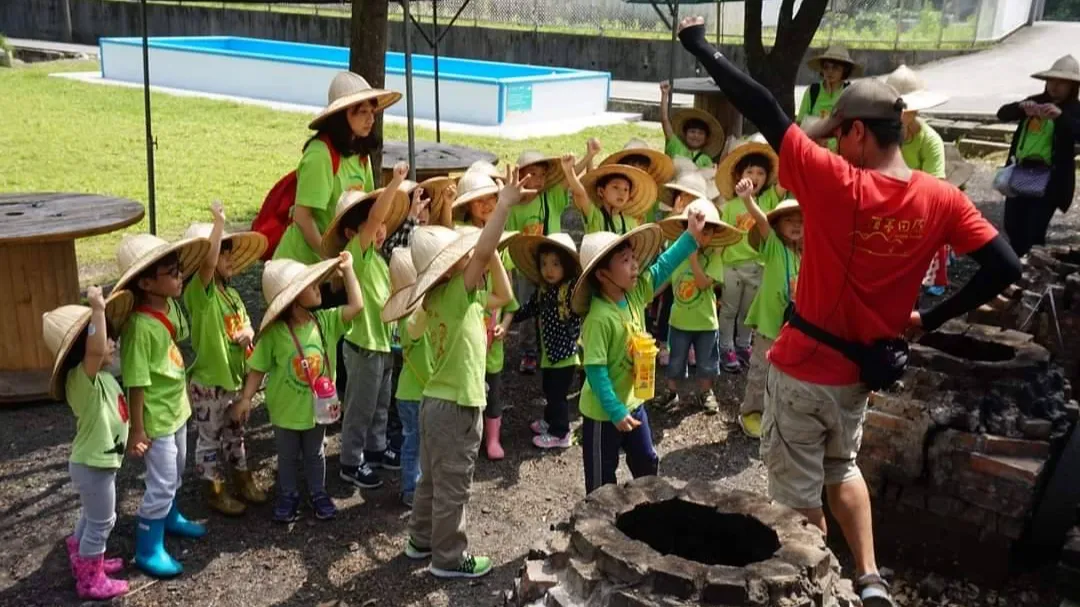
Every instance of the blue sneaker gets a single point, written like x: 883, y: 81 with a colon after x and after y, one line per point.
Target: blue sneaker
x: 150, y: 554
x: 935, y: 291
x: 177, y: 524
x: 287, y: 508
x: 323, y: 506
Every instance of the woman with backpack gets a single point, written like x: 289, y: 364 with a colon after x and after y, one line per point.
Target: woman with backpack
x: 335, y: 160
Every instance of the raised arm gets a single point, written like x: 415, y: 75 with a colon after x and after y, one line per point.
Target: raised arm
x: 686, y: 244
x: 381, y: 207
x: 577, y: 191
x: 446, y: 209
x: 753, y: 101
x: 701, y: 280
x: 665, y: 110
x: 510, y: 195
x: 745, y: 190
x: 209, y: 264
x: 592, y: 148
x: 96, y: 335
x: 355, y: 302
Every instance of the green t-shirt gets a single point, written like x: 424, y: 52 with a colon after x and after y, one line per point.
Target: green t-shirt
x: 822, y: 108
x: 496, y: 354
x: 694, y: 309
x: 766, y: 313
x: 289, y: 398
x: 563, y: 313
x: 675, y: 148
x: 605, y: 335
x: 734, y: 213
x: 217, y: 314
x: 550, y: 204
x: 319, y: 189
x: 616, y: 222
x: 458, y: 344
x: 101, y: 418
x: 1037, y: 140
x: 925, y: 151
x: 416, y: 360
x: 367, y: 330
x: 152, y: 361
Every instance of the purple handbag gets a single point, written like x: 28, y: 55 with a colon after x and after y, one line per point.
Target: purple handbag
x: 1030, y: 180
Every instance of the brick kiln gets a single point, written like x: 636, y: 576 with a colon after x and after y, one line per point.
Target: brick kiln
x: 657, y: 542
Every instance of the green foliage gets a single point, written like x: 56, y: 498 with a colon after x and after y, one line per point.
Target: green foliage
x: 1063, y: 10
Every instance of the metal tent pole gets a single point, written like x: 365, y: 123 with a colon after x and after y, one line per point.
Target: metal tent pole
x: 406, y: 23
x: 674, y: 48
x: 435, y: 61
x: 149, y: 129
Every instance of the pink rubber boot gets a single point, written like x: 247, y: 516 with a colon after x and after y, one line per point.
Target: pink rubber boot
x: 109, y: 566
x: 91, y: 582
x: 494, y: 450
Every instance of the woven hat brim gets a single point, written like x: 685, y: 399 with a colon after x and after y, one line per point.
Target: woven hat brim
x: 523, y: 253
x: 667, y: 194
x: 725, y: 235
x: 383, y: 99
x: 442, y: 262
x: 1056, y: 75
x: 464, y: 199
x: 642, y: 190
x: 334, y: 240
x: 398, y: 305
x: 118, y: 307
x: 191, y: 252
x: 247, y: 248
x: 781, y: 211
x: 435, y: 188
x: 924, y: 100
x: 645, y: 241
x: 555, y: 174
x: 661, y: 168
x: 725, y: 181
x: 314, y: 274
x: 714, y: 145
x: 814, y: 63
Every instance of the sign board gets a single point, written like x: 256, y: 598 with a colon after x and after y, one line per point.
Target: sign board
x: 519, y: 97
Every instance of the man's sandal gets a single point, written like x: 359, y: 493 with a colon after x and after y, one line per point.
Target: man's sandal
x: 874, y: 591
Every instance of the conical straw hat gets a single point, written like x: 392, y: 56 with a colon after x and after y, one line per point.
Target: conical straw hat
x: 723, y: 235
x: 524, y: 249
x: 913, y: 90
x: 642, y: 188
x: 434, y: 188
x: 690, y: 182
x: 62, y: 327
x: 645, y: 241
x: 137, y: 252
x: 1065, y: 68
x: 504, y: 240
x: 436, y: 249
x: 334, y: 240
x: 714, y: 145
x: 839, y: 54
x: 247, y: 247
x: 661, y: 168
x: 348, y: 89
x: 485, y: 167
x: 784, y: 208
x: 284, y: 279
x: 402, y: 279
x: 725, y: 172
x: 554, y: 168
x: 471, y: 186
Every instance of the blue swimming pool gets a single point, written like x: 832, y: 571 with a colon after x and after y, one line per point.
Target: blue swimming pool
x: 471, y: 91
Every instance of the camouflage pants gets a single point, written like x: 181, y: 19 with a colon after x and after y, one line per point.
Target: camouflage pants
x: 218, y: 434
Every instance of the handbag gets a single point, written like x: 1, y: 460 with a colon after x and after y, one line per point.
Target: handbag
x: 1028, y: 178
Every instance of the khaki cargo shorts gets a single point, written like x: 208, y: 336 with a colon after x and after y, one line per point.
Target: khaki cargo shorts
x: 810, y: 436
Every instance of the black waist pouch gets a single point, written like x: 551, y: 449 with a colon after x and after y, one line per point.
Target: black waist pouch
x: 881, y: 363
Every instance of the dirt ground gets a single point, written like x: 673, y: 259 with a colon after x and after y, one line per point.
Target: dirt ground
x: 356, y: 559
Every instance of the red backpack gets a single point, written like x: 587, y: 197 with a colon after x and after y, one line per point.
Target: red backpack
x: 275, y: 215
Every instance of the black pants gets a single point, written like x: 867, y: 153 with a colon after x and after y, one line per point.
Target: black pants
x: 556, y: 384
x: 1026, y: 222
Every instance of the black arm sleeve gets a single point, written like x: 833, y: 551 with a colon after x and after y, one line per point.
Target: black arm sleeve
x: 1010, y: 112
x: 998, y: 268
x: 748, y: 96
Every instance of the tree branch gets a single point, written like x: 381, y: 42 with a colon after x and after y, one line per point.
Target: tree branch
x: 752, y: 42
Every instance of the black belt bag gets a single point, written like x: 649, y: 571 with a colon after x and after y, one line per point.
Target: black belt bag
x: 881, y: 363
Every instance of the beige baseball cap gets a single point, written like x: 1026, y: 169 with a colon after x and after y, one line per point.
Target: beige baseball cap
x: 869, y: 99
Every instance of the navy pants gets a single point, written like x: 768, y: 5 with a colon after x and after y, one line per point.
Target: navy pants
x: 602, y: 442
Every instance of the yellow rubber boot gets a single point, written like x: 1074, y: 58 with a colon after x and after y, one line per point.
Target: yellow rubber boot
x: 218, y: 498
x: 247, y: 487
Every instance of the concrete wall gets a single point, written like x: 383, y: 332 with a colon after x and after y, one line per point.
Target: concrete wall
x: 624, y: 58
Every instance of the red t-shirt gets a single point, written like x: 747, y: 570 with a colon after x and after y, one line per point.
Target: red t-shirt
x: 868, y: 240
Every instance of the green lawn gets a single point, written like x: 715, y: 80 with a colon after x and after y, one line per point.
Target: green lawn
x: 62, y: 135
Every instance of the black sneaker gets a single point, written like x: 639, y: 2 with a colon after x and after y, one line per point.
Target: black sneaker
x: 287, y: 508
x: 361, y: 476
x: 387, y: 460
x: 323, y: 506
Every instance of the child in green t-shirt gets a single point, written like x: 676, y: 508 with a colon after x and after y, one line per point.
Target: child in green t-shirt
x: 156, y: 381
x: 778, y: 236
x: 297, y: 347
x: 636, y: 153
x: 80, y: 340
x: 454, y: 266
x: 611, y: 295
x: 361, y: 223
x: 690, y: 133
x: 612, y: 198
x: 221, y: 335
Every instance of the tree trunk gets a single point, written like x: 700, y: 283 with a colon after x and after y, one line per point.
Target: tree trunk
x: 367, y: 56
x: 777, y: 68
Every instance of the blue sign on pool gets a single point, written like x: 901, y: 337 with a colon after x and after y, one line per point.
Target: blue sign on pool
x: 519, y: 98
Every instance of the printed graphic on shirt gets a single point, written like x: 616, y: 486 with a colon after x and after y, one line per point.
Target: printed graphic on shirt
x: 890, y: 237
x: 1035, y: 125
x: 234, y: 324
x: 687, y: 292
x: 121, y: 407
x: 745, y: 222
x: 440, y: 335
x: 175, y: 357
x: 533, y: 229
x: 313, y: 356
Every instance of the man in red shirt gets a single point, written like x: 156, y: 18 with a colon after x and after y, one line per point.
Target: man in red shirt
x: 871, y: 226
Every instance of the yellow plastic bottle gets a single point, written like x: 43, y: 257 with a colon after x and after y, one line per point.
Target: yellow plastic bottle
x: 644, y: 353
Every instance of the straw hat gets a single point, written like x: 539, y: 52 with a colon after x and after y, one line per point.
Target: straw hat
x: 348, y: 89
x: 714, y: 145
x: 504, y: 240
x: 486, y: 168
x: 692, y: 182
x: 725, y: 172
x: 284, y: 279
x: 1065, y: 68
x: 138, y: 252
x: 436, y: 249
x: 402, y: 279
x: 957, y: 169
x: 784, y: 208
x: 334, y: 240
x: 661, y: 168
x: 472, y: 186
x: 724, y: 234
x: 523, y: 254
x: 247, y: 247
x: 62, y: 327
x: 839, y: 54
x: 913, y: 90
x: 554, y: 168
x: 645, y: 241
x: 642, y: 187
x: 434, y: 188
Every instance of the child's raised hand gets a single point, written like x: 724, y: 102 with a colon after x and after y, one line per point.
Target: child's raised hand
x: 450, y: 193
x: 217, y: 209
x: 665, y: 88
x: 96, y: 299
x: 744, y: 189
x: 401, y: 171
x: 593, y: 146
x: 568, y: 163
x: 695, y: 223
x: 419, y: 202
x: 513, y: 191
x: 344, y: 261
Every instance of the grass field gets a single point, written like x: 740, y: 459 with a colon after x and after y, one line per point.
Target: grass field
x: 66, y: 136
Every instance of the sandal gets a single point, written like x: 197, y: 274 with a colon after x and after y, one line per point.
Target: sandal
x: 874, y: 591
